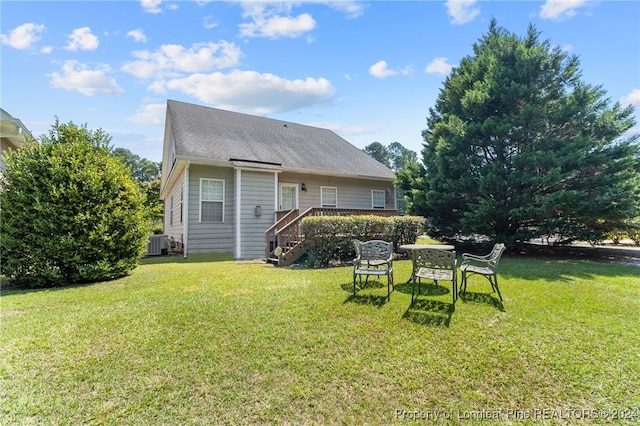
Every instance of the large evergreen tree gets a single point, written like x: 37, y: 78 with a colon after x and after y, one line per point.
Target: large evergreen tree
x: 71, y: 211
x: 517, y: 146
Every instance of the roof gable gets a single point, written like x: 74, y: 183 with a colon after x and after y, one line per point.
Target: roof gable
x: 213, y: 134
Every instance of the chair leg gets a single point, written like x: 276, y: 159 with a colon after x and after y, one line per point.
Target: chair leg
x: 388, y: 287
x: 454, y: 289
x: 454, y: 294
x: 413, y: 290
x: 495, y: 284
x: 354, y: 284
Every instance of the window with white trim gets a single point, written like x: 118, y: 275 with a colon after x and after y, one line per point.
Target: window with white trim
x: 181, y: 203
x: 377, y: 199
x: 211, y: 200
x: 329, y: 196
x: 171, y: 211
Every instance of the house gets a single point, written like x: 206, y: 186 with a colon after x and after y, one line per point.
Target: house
x: 12, y: 135
x: 239, y: 183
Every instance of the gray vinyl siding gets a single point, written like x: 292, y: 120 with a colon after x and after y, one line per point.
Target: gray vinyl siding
x: 257, y: 190
x: 211, y: 237
x: 176, y: 230
x: 352, y: 193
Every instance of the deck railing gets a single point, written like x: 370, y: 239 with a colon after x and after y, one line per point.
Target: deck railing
x: 284, y: 242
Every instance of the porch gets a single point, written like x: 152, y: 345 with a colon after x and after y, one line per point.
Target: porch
x: 284, y: 242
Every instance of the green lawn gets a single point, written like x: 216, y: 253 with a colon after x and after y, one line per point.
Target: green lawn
x: 212, y: 341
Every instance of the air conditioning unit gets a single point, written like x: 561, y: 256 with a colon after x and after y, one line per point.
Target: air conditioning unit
x: 157, y: 245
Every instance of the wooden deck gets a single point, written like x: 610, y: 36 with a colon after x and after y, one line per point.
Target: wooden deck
x: 284, y: 242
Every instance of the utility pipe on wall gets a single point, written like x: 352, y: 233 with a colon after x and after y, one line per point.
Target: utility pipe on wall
x: 185, y: 211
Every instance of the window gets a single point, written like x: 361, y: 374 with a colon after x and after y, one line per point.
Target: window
x: 181, y: 203
x: 377, y: 199
x: 211, y: 200
x: 288, y: 196
x: 171, y: 211
x: 329, y: 196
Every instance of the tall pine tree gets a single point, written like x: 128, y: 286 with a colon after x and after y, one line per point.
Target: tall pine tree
x: 517, y: 146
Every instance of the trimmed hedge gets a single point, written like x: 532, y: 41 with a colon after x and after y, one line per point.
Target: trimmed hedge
x: 330, y: 237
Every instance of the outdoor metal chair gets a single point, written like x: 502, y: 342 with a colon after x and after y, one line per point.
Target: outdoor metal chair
x: 374, y: 258
x: 437, y: 265
x: 486, y: 266
x: 371, y: 262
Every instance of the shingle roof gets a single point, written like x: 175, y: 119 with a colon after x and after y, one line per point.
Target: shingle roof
x: 215, y: 134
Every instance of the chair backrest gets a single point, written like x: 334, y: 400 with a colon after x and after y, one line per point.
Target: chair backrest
x: 434, y: 259
x: 376, y: 250
x: 357, y: 244
x: 496, y: 253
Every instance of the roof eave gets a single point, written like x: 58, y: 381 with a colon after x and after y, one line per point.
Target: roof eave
x: 344, y: 175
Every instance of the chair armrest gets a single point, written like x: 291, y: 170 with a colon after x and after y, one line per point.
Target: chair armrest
x: 470, y: 256
x: 476, y: 261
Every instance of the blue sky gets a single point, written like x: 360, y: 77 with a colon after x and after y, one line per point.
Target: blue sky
x: 369, y: 71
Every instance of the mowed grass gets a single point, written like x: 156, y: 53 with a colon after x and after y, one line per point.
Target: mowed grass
x: 213, y: 341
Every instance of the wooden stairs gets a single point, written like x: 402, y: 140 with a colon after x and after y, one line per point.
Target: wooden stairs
x: 284, y: 241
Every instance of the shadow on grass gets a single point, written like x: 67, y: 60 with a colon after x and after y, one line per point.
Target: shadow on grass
x: 481, y: 298
x: 362, y: 296
x: 367, y: 299
x: 431, y: 313
x: 426, y: 289
x: 9, y: 287
x: 192, y: 258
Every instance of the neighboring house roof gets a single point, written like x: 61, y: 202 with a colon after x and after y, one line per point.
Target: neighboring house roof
x: 12, y: 130
x: 223, y: 136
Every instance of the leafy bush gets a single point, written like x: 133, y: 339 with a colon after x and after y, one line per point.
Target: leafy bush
x: 330, y: 237
x: 71, y: 211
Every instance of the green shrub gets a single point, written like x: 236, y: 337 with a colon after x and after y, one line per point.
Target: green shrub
x: 329, y: 238
x: 71, y: 211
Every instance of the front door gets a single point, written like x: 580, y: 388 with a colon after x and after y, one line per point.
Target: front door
x: 288, y: 196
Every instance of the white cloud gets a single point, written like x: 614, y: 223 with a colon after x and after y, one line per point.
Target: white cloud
x: 150, y: 114
x: 209, y: 22
x: 462, y: 11
x: 352, y: 9
x: 439, y: 65
x: 274, y: 20
x: 380, y: 70
x: 254, y: 92
x: 77, y: 76
x: 557, y: 10
x: 172, y: 59
x: 632, y: 98
x: 137, y: 35
x: 278, y: 26
x: 82, y: 39
x: 151, y: 6
x: 23, y: 36
x: 350, y: 130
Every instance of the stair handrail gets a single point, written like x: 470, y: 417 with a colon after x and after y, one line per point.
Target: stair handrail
x: 281, y: 229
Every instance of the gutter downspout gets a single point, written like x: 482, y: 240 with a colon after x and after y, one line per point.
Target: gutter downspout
x: 238, y: 212
x: 185, y: 210
x: 276, y: 202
